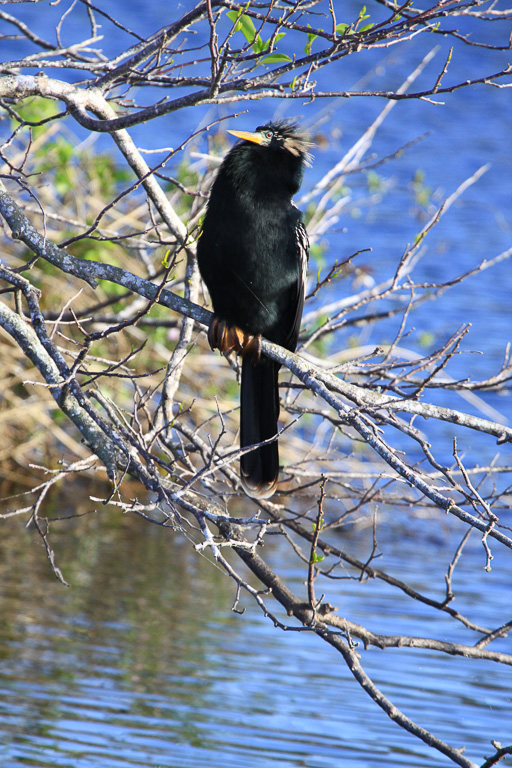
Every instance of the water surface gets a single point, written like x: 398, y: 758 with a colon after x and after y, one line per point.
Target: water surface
x: 140, y: 662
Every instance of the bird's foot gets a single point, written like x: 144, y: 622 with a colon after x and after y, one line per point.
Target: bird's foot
x: 227, y: 338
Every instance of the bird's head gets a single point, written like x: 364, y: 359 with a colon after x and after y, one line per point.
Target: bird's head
x: 281, y: 136
x: 277, y: 153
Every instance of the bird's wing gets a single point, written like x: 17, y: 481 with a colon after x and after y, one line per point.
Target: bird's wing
x: 302, y: 242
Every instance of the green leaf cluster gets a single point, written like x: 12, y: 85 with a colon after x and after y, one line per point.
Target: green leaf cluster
x: 341, y: 29
x: 245, y: 25
x: 422, y: 192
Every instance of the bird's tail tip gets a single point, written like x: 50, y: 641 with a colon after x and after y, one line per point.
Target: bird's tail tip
x: 259, y: 490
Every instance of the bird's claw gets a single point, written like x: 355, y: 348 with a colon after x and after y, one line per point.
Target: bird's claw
x: 252, y: 348
x: 227, y: 338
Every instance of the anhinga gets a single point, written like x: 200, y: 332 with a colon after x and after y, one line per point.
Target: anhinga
x: 252, y: 254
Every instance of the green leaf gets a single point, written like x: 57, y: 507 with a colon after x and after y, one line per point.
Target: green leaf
x: 277, y: 38
x: 307, y: 49
x: 259, y: 45
x: 317, y: 558
x: 243, y: 23
x: 340, y: 28
x: 311, y: 37
x: 426, y: 339
x: 365, y: 28
x: 276, y: 58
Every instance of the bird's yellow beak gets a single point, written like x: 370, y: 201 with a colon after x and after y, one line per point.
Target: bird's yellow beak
x: 255, y: 137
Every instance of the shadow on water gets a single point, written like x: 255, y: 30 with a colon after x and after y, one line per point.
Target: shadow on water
x: 136, y: 620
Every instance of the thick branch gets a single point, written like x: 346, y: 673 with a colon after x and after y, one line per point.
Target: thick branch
x: 404, y: 641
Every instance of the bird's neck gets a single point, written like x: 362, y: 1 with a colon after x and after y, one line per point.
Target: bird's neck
x: 263, y: 175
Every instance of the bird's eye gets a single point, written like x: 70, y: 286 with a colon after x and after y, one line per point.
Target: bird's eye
x: 268, y: 135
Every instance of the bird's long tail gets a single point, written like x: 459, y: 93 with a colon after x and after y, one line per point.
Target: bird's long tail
x: 259, y: 411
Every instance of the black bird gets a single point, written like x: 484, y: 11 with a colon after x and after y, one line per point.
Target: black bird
x: 252, y: 254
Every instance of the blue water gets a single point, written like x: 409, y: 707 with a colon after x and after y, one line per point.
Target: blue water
x: 141, y: 662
